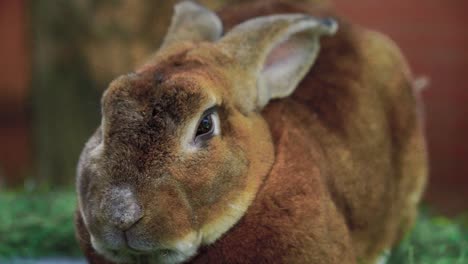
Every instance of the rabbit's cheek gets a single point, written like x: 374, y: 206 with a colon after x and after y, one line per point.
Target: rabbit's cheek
x: 222, y: 222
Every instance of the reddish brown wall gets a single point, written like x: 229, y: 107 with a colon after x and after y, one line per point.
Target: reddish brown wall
x: 434, y: 36
x: 14, y: 80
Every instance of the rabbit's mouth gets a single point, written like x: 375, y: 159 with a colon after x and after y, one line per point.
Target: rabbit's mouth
x: 159, y: 256
x: 167, y: 256
x: 180, y: 252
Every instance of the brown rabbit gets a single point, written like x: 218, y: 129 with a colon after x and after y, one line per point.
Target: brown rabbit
x: 234, y: 149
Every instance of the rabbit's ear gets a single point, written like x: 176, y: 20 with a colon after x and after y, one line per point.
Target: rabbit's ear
x: 192, y: 22
x: 275, y: 53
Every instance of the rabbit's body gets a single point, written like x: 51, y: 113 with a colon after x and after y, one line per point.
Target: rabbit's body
x: 352, y: 131
x: 345, y: 169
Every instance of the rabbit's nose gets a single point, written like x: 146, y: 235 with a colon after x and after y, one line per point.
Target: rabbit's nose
x: 122, y: 209
x: 125, y: 215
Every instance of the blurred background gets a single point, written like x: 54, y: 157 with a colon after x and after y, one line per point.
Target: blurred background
x: 57, y: 56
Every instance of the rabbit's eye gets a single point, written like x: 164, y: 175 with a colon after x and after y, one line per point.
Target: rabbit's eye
x: 205, y: 126
x: 208, y: 126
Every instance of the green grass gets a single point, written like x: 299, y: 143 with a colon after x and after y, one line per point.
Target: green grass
x: 34, y: 225
x: 434, y: 240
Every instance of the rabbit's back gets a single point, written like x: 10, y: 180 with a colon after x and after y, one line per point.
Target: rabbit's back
x: 357, y: 111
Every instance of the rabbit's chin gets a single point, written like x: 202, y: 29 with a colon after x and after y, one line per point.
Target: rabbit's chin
x: 181, y: 252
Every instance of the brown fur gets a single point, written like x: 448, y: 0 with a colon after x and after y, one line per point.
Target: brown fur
x: 349, y: 155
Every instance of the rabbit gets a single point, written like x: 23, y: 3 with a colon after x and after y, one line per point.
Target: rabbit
x: 291, y: 138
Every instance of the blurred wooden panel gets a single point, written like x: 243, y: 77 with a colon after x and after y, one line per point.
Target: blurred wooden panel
x: 14, y: 84
x: 433, y: 35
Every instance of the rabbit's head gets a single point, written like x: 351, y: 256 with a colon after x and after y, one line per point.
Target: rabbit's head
x: 182, y: 148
